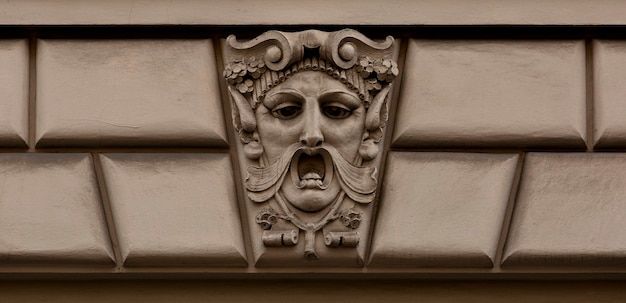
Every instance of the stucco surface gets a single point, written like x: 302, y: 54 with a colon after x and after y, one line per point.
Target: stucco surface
x: 442, y: 209
x: 570, y: 211
x: 609, y: 72
x: 14, y: 87
x: 174, y: 209
x: 51, y: 211
x: 524, y: 94
x: 128, y: 93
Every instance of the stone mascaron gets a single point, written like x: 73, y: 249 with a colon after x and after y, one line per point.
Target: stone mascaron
x: 310, y: 108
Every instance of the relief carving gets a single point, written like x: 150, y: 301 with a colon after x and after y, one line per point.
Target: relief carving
x: 310, y: 108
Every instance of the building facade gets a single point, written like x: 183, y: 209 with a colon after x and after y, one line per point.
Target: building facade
x: 496, y: 153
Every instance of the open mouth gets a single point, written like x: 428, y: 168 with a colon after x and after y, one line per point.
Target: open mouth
x: 311, y: 169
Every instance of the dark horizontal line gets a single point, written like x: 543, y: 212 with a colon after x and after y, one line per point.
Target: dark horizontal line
x: 118, y: 150
x: 374, y: 31
x: 450, y: 274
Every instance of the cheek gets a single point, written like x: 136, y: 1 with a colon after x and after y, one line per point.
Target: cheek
x: 275, y: 134
x: 346, y: 135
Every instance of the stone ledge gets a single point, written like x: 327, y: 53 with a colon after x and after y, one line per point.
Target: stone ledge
x: 365, y: 12
x: 313, y: 291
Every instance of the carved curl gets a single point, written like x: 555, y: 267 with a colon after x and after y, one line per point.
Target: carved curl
x: 281, y: 49
x: 344, y: 47
x: 278, y: 50
x: 363, y: 65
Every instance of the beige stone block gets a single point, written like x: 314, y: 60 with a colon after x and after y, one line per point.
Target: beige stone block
x: 442, y: 209
x: 128, y: 92
x: 609, y: 74
x: 50, y: 211
x: 570, y: 211
x: 492, y: 94
x: 14, y: 88
x: 175, y: 209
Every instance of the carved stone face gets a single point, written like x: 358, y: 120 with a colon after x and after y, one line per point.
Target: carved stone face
x: 310, y: 108
x: 318, y: 113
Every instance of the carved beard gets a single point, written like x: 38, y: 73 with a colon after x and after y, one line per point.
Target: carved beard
x: 358, y: 182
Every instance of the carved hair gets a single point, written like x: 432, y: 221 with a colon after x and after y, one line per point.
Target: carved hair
x: 256, y: 66
x: 363, y: 65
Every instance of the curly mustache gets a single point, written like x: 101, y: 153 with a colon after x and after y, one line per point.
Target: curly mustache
x: 358, y: 182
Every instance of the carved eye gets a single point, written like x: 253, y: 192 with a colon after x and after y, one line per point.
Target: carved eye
x: 336, y: 111
x: 287, y: 111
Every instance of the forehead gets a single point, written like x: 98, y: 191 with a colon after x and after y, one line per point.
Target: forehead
x: 311, y: 83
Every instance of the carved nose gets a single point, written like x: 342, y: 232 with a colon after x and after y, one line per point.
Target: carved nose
x: 312, y: 138
x: 311, y: 134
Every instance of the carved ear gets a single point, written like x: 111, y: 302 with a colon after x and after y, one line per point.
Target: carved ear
x: 243, y: 116
x: 377, y: 112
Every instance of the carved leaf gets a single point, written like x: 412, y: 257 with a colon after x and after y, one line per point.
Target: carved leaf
x: 243, y: 116
x: 377, y: 112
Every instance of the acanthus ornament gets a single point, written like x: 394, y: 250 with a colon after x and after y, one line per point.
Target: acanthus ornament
x: 310, y: 108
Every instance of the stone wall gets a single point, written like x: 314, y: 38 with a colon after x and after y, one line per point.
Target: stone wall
x: 116, y: 154
x: 504, y: 156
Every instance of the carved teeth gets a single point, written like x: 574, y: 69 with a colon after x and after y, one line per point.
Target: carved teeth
x: 312, y: 169
x: 312, y: 175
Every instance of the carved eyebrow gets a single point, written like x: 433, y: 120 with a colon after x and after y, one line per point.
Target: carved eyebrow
x: 341, y: 96
x: 272, y: 100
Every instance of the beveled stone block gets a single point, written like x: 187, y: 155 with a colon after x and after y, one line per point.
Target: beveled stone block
x: 505, y: 94
x: 14, y: 88
x: 128, y: 93
x: 609, y: 74
x: 175, y: 209
x: 570, y: 211
x: 50, y: 211
x: 442, y: 209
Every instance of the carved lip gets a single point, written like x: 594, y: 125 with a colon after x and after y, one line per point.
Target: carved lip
x: 312, y: 169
